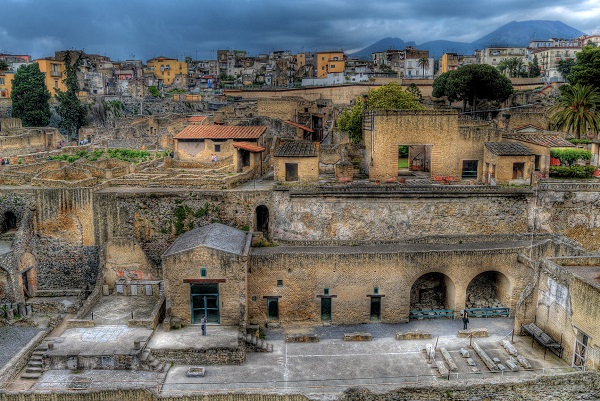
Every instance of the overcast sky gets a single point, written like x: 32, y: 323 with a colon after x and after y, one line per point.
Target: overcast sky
x: 123, y: 29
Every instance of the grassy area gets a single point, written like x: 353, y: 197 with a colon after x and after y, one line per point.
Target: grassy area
x: 403, y: 163
x: 129, y: 155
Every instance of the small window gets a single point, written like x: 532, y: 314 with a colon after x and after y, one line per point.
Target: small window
x: 518, y: 170
x: 217, y: 148
x: 291, y: 171
x: 325, y: 291
x: 253, y: 298
x: 376, y: 290
x: 203, y: 272
x: 56, y: 83
x: 279, y: 283
x: 537, y: 162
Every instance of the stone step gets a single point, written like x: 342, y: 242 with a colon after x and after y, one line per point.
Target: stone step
x: 155, y: 363
x: 38, y: 353
x: 30, y: 369
x: 160, y: 368
x: 31, y: 376
x: 42, y: 347
x: 145, y: 355
x: 34, y: 363
x: 36, y: 358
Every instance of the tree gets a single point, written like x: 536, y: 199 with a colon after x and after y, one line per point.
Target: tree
x: 565, y: 66
x: 534, y: 68
x: 577, y: 110
x: 512, y: 67
x: 472, y: 83
x: 72, y: 112
x: 424, y: 63
x: 30, y: 96
x: 390, y: 96
x: 585, y: 70
x: 4, y: 66
x: 415, y: 91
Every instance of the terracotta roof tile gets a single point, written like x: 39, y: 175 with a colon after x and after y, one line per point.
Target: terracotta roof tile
x: 220, y: 132
x: 549, y: 141
x: 303, y: 127
x: 196, y: 119
x: 251, y: 147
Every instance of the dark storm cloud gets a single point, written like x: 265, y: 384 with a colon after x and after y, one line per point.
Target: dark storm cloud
x: 144, y: 29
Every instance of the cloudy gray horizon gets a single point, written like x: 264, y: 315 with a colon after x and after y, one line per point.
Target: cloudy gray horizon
x: 143, y: 29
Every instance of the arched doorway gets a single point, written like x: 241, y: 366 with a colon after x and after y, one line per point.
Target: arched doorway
x: 489, y: 289
x: 262, y: 220
x: 432, y: 291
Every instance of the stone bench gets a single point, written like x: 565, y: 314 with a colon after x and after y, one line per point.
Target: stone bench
x: 358, y: 337
x: 473, y: 333
x: 301, y: 338
x: 413, y: 335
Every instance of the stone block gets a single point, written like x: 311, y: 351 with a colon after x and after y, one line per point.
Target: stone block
x: 196, y: 371
x: 413, y: 335
x: 473, y: 333
x: 301, y: 338
x: 464, y: 353
x: 358, y: 336
x: 524, y: 362
x: 105, y: 290
x: 448, y: 358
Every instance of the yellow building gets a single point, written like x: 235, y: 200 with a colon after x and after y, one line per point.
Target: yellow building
x: 330, y: 62
x: 449, y: 62
x: 167, y: 71
x: 54, y: 71
x: 6, y: 84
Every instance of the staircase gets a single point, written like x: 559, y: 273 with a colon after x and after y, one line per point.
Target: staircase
x: 258, y: 344
x: 34, y: 368
x: 150, y: 362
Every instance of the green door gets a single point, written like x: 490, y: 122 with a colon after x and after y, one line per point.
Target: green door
x: 326, y: 309
x: 205, y: 302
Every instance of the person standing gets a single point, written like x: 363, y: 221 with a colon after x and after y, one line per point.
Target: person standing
x: 203, y: 325
x: 465, y: 319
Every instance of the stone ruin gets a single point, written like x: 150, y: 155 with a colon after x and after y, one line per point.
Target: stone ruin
x: 482, y: 292
x: 428, y: 292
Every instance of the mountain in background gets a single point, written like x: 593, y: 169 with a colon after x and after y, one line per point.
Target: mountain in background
x: 517, y: 34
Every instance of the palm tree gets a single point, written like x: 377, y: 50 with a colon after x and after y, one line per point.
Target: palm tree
x: 577, y: 110
x: 424, y: 63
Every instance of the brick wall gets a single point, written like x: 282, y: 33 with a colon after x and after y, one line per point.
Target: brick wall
x: 308, y: 168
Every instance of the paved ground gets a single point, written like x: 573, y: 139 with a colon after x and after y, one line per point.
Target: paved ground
x: 98, y: 340
x: 118, y: 309
x: 191, y: 337
x: 326, y: 368
x: 12, y: 339
x: 98, y: 379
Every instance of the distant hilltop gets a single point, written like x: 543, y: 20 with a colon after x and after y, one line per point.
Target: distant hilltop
x: 517, y: 34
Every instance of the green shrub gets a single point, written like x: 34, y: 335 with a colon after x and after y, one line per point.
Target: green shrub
x: 570, y: 156
x: 577, y: 141
x: 572, y: 172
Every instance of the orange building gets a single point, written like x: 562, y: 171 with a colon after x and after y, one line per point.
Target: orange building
x: 54, y: 71
x: 330, y: 62
x: 6, y: 84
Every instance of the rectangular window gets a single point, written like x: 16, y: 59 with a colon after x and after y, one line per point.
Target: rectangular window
x: 291, y: 171
x: 279, y: 283
x: 56, y: 83
x: 1, y: 81
x: 203, y: 272
x: 469, y: 169
x: 325, y: 291
x: 538, y: 159
x: 518, y: 169
x: 217, y: 148
x: 376, y: 290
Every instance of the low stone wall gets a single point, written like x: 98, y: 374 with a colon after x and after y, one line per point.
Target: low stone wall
x: 18, y: 362
x: 157, y: 314
x: 210, y: 356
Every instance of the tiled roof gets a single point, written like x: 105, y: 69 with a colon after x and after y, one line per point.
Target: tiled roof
x: 196, y: 119
x: 549, y: 141
x: 220, y: 132
x: 296, y: 149
x: 251, y: 147
x: 528, y: 126
x: 215, y: 236
x: 303, y: 127
x: 508, y: 149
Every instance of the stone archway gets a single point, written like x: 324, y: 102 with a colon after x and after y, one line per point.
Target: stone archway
x: 432, y: 291
x: 490, y: 289
x: 10, y: 222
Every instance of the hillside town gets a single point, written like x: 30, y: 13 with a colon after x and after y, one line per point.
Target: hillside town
x: 294, y: 226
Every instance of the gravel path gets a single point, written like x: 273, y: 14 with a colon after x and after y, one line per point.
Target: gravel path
x: 12, y: 339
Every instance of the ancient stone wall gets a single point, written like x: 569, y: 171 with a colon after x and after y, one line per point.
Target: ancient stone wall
x: 352, y: 273
x: 570, y: 208
x: 392, y: 213
x: 154, y: 218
